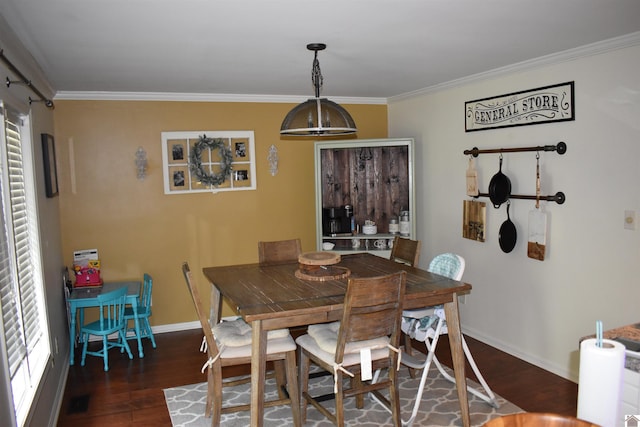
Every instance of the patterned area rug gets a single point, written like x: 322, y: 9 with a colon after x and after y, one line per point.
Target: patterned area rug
x: 439, y: 406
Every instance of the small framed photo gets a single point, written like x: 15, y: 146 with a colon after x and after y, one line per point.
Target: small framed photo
x: 178, y: 176
x: 240, y: 149
x: 177, y: 151
x: 50, y: 170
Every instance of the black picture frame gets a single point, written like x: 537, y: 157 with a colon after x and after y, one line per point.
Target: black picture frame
x: 50, y: 170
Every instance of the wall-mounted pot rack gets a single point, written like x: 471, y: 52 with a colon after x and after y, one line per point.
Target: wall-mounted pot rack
x: 559, y: 197
x: 560, y: 148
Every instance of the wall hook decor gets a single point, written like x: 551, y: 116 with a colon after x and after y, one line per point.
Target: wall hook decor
x: 273, y: 160
x: 141, y: 163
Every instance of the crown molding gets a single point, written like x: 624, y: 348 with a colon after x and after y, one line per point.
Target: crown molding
x: 625, y: 41
x: 203, y: 97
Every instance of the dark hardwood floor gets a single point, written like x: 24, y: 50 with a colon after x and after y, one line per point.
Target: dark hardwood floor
x: 131, y: 392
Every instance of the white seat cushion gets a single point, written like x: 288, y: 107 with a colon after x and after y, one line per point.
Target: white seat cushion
x: 237, y: 333
x: 322, y: 339
x: 274, y: 345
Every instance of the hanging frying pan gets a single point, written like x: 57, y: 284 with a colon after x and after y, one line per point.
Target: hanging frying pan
x: 508, y: 234
x: 499, y: 187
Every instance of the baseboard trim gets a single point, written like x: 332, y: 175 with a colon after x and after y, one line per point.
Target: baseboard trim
x: 507, y: 348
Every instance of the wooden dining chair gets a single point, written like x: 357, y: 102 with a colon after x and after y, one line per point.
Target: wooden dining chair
x: 279, y: 251
x: 111, y: 321
x: 370, y: 324
x: 536, y: 419
x: 406, y: 251
x: 228, y: 344
x: 144, y: 312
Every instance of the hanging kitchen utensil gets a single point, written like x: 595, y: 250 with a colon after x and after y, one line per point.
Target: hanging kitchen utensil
x: 499, y: 187
x: 508, y: 234
x: 472, y: 179
x: 537, y: 238
x: 473, y: 220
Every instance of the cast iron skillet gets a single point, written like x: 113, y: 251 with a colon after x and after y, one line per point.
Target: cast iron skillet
x: 499, y: 187
x: 508, y: 234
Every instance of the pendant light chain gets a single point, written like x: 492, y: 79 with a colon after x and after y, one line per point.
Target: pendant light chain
x: 316, y: 75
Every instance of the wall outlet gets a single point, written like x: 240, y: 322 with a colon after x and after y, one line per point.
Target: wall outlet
x: 630, y: 220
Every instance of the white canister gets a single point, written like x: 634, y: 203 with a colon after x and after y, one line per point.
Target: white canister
x: 405, y: 223
x: 394, y: 227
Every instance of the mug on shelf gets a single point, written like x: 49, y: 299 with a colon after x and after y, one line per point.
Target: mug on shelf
x: 355, y: 243
x: 380, y: 244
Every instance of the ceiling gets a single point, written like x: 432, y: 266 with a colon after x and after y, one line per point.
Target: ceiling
x: 375, y: 48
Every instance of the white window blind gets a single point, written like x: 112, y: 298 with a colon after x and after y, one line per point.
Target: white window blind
x: 21, y: 286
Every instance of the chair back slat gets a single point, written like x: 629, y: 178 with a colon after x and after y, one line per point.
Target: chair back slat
x: 406, y: 251
x: 212, y: 348
x: 279, y: 251
x: 372, y: 309
x: 147, y: 286
x: 111, y: 309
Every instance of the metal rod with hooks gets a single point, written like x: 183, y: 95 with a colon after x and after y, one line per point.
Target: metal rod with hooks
x: 24, y: 81
x: 560, y: 147
x: 559, y: 197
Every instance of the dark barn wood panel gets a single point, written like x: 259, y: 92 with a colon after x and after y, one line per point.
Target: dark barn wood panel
x: 374, y: 180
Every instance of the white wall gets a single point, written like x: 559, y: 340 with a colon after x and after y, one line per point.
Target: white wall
x: 539, y: 310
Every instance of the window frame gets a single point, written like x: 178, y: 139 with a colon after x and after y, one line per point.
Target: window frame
x: 25, y: 268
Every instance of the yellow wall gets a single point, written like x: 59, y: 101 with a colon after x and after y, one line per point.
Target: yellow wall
x: 138, y: 229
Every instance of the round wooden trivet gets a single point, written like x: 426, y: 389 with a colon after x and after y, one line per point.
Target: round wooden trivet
x: 322, y: 274
x: 319, y: 258
x: 320, y: 266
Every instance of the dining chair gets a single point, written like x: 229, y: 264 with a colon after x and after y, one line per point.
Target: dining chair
x: 536, y: 419
x: 144, y: 312
x: 228, y: 343
x: 366, y: 338
x: 406, y: 251
x: 111, y: 321
x: 427, y: 325
x: 279, y: 251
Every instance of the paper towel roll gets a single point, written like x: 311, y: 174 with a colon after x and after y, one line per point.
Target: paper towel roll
x: 600, y: 381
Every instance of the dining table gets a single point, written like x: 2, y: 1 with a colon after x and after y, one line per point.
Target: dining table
x: 276, y: 295
x: 81, y: 298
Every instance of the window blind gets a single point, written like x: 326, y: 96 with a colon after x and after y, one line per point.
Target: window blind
x: 21, y: 290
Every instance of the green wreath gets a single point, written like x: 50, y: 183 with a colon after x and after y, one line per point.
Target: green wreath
x: 195, y: 161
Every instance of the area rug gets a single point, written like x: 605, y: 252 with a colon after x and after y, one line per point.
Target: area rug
x: 439, y: 406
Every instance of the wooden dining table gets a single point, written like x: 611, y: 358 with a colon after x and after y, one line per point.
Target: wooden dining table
x: 272, y: 297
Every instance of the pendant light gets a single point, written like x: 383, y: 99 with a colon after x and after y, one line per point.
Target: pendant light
x: 317, y: 116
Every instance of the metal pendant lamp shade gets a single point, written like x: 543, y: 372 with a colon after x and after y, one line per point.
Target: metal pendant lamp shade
x: 317, y: 116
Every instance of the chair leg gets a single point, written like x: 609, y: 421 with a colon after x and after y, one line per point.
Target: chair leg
x: 281, y: 384
x: 408, y: 348
x: 105, y: 352
x: 304, y: 385
x: 339, y: 401
x: 356, y: 383
x: 149, y: 331
x: 123, y: 342
x: 394, y: 395
x: 85, y: 341
x: 217, y: 396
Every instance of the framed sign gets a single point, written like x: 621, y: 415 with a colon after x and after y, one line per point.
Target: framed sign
x: 50, y: 171
x: 528, y: 107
